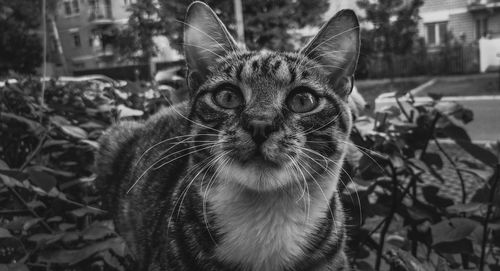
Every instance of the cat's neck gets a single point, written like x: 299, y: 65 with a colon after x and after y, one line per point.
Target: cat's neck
x: 268, y: 230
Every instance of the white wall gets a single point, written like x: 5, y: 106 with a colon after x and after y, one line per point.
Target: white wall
x: 489, y: 54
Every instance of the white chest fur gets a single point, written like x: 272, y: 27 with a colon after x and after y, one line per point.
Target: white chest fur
x: 266, y: 231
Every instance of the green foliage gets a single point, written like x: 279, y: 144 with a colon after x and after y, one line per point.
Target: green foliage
x: 143, y: 25
x: 266, y: 22
x: 49, y: 214
x: 20, y: 43
x: 394, y: 24
x: 50, y: 207
x: 400, y: 218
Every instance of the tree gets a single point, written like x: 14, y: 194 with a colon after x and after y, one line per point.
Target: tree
x: 143, y: 25
x: 394, y: 26
x: 20, y: 43
x: 266, y: 22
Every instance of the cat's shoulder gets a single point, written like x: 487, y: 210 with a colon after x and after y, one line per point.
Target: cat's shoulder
x: 125, y: 136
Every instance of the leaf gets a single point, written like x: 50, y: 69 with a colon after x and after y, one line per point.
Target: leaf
x: 454, y: 229
x: 74, y: 131
x: 54, y: 219
x: 14, y: 267
x: 53, y: 142
x: 461, y: 137
x: 430, y: 194
x: 66, y: 226
x: 8, y: 180
x: 96, y: 232
x: 463, y: 246
x: 35, y: 127
x: 72, y: 257
x: 36, y: 204
x: 396, y: 240
x: 16, y: 174
x: 12, y: 249
x: 70, y: 237
x: 402, y: 260
x: 4, y: 233
x: 433, y: 159
x: 80, y: 212
x: 91, y: 125
x: 111, y: 260
x: 128, y: 112
x: 465, y: 208
x: 59, y: 120
x: 91, y: 143
x: 17, y: 223
x: 455, y: 110
x: 45, y: 238
x: 42, y: 179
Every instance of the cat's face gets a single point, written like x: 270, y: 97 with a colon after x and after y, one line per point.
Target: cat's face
x: 266, y: 120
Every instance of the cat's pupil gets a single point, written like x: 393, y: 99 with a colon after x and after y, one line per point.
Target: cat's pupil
x: 229, y: 97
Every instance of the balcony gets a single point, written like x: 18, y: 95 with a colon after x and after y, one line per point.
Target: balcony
x: 100, y: 13
x: 483, y: 5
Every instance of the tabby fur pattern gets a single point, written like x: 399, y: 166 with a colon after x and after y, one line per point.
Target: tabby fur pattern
x: 243, y: 176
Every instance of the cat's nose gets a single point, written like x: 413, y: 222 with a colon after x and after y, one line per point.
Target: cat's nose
x: 260, y: 130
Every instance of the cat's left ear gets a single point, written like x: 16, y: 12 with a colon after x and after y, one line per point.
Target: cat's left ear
x: 336, y: 48
x: 206, y: 40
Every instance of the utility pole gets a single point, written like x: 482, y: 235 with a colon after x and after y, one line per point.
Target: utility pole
x: 238, y: 12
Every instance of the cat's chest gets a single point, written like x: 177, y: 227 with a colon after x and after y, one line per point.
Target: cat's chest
x: 265, y: 233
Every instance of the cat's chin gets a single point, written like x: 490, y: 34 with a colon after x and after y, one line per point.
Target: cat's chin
x: 257, y: 174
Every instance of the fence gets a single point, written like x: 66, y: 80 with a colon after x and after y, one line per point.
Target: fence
x: 460, y: 59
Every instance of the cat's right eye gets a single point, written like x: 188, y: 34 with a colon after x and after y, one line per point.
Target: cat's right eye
x: 228, y: 97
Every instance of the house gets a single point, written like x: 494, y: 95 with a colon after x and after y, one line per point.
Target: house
x: 464, y: 20
x: 86, y: 29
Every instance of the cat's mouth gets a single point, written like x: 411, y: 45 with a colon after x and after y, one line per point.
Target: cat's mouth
x: 257, y: 158
x: 261, y: 159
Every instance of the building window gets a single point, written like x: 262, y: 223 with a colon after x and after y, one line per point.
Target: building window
x: 67, y: 8
x: 76, y: 6
x: 481, y: 28
x: 71, y: 7
x: 437, y: 33
x: 76, y: 39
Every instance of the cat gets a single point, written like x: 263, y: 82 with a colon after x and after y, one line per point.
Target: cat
x: 244, y: 175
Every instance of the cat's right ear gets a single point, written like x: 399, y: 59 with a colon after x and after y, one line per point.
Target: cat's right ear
x: 206, y: 39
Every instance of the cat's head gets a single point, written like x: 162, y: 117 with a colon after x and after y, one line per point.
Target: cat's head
x: 264, y: 119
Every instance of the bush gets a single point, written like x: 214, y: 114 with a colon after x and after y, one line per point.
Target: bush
x: 50, y: 216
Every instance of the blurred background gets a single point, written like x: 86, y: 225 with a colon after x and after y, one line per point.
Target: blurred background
x: 421, y: 181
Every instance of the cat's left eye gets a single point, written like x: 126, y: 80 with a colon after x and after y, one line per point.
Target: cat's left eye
x: 228, y: 98
x: 302, y: 101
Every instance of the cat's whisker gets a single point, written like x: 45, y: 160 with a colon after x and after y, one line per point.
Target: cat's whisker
x: 307, y: 203
x: 307, y: 132
x: 316, y: 182
x: 210, y: 183
x: 188, y: 119
x: 153, y: 165
x: 204, y: 146
x: 180, y: 198
x: 167, y: 140
x: 339, y: 179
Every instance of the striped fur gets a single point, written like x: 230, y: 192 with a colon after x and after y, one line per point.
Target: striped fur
x: 204, y: 194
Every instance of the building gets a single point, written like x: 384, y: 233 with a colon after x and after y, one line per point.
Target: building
x: 87, y: 28
x: 464, y: 20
